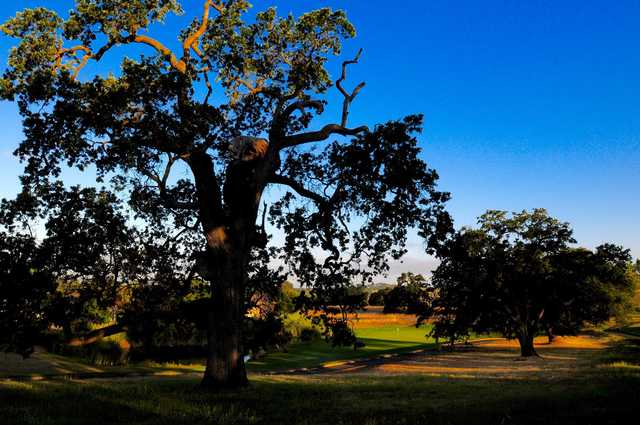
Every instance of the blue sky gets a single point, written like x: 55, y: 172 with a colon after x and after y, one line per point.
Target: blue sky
x: 527, y: 103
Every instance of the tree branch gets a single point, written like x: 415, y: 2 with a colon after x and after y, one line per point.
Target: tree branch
x: 324, y: 134
x: 192, y: 40
x: 299, y: 189
x: 179, y: 65
x: 97, y: 335
x: 348, y: 98
x: 279, y: 123
x: 204, y: 71
x: 161, y: 183
x: 302, y: 105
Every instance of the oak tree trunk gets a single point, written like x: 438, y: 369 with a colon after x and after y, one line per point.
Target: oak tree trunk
x: 550, y: 335
x: 526, y: 344
x: 225, y: 361
x: 230, y: 232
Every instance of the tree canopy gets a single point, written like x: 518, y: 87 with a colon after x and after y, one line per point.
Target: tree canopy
x: 517, y: 275
x: 192, y: 138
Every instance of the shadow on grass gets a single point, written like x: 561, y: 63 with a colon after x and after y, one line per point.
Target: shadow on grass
x: 326, y: 400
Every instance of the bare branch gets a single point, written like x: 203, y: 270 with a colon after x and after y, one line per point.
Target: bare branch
x: 348, y: 98
x: 179, y: 65
x: 161, y: 183
x: 324, y: 134
x: 299, y: 189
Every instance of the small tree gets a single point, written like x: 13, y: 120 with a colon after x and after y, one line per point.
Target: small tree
x: 410, y: 294
x: 517, y: 275
x: 377, y: 297
x: 233, y: 106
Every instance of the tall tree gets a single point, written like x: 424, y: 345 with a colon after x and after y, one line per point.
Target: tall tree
x: 517, y: 275
x: 233, y: 104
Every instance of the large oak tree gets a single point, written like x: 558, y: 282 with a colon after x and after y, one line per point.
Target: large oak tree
x: 517, y: 275
x: 232, y: 100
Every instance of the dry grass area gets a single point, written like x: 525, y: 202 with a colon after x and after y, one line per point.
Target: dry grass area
x: 373, y: 317
x: 494, y: 358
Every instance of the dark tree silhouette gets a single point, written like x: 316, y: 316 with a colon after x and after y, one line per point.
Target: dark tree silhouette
x: 232, y: 105
x: 412, y: 294
x: 26, y: 286
x: 517, y: 275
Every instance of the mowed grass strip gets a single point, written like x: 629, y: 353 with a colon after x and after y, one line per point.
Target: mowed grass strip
x: 378, y: 341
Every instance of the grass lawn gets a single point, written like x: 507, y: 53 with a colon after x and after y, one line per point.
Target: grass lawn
x: 604, y: 396
x: 378, y: 341
x: 604, y: 388
x: 43, y: 365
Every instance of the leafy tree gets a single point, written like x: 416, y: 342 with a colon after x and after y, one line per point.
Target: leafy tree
x: 377, y: 297
x: 517, y: 275
x: 104, y: 270
x: 232, y: 106
x: 410, y: 295
x: 26, y: 287
x: 589, y: 287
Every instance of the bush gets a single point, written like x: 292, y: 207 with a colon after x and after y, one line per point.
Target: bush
x: 100, y: 353
x: 310, y: 334
x: 301, y: 327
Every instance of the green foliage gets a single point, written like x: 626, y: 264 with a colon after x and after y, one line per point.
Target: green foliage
x: 31, y: 62
x: 116, y: 19
x: 26, y: 287
x: 288, y: 53
x: 376, y: 298
x: 287, y: 298
x: 301, y: 327
x: 236, y: 75
x: 412, y: 295
x: 517, y: 275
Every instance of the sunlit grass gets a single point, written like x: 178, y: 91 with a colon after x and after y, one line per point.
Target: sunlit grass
x: 378, y: 341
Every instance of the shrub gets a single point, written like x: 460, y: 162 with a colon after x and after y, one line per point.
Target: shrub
x: 301, y: 327
x: 310, y: 334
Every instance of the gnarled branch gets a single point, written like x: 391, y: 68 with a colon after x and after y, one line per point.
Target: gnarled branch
x: 348, y: 97
x: 179, y: 65
x: 193, y: 39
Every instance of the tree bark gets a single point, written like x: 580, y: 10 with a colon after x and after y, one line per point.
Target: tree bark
x: 229, y: 229
x: 225, y: 361
x: 550, y: 335
x: 526, y: 344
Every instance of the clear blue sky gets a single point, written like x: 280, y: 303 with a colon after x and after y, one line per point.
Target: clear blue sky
x: 527, y: 103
